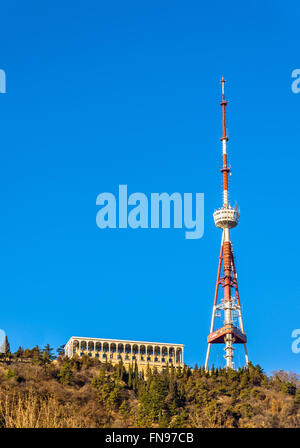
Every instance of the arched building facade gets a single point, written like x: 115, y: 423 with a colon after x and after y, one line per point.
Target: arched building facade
x: 154, y: 354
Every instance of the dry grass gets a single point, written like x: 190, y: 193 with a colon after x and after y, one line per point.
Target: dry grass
x: 33, y: 397
x: 31, y: 411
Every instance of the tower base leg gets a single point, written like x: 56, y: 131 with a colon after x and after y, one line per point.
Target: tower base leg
x: 207, y: 356
x: 246, y: 355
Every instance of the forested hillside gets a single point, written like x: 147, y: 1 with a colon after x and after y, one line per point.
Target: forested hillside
x: 37, y: 391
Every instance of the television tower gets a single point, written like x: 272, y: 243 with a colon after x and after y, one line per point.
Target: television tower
x: 228, y: 307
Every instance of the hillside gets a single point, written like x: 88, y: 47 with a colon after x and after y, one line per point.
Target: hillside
x: 36, y: 391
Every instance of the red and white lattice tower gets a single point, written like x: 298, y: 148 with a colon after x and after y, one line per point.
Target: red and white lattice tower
x: 229, y: 306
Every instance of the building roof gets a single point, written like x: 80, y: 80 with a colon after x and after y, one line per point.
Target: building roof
x: 123, y: 341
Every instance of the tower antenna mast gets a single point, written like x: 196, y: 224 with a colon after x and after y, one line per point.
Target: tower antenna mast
x: 229, y: 306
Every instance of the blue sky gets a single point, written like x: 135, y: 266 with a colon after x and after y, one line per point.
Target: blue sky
x: 107, y: 93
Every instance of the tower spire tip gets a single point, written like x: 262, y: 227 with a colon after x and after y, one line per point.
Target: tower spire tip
x: 223, y: 88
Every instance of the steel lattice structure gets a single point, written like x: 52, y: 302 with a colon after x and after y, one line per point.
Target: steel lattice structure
x: 232, y: 331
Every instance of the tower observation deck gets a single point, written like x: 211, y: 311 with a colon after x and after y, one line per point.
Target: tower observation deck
x: 229, y: 306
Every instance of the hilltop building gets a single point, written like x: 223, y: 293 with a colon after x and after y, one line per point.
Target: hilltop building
x: 154, y: 354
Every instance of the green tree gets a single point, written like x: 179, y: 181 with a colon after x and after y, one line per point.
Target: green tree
x: 120, y: 372
x: 180, y: 421
x: 163, y: 420
x: 152, y: 399
x: 27, y: 353
x: 61, y: 350
x: 49, y: 350
x: 124, y: 410
x: 36, y: 355
x: 135, y: 379
x: 65, y: 374
x: 108, y: 389
x: 20, y: 352
x: 47, y: 355
x: 11, y: 373
x: 289, y: 388
x: 6, y: 347
x: 129, y: 377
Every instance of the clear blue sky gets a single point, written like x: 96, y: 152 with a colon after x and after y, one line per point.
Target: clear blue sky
x: 107, y: 93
